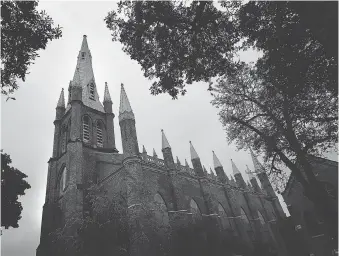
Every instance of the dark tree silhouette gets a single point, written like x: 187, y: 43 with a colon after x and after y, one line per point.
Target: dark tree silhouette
x: 13, y: 185
x: 24, y: 31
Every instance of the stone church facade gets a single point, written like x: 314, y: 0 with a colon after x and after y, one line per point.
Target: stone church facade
x: 84, y: 153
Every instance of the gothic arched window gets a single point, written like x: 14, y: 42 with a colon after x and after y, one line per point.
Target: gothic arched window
x: 99, y: 134
x: 63, y: 180
x: 195, y: 209
x: 261, y: 218
x: 223, y: 217
x: 160, y: 210
x: 91, y: 91
x: 85, y: 128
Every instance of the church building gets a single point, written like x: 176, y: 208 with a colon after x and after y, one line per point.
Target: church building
x: 169, y: 208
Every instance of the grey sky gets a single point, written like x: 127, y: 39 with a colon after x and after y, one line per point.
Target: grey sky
x: 27, y: 123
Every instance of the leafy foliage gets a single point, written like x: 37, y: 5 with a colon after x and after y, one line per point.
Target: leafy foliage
x: 173, y: 43
x: 176, y: 44
x: 13, y: 185
x: 24, y: 31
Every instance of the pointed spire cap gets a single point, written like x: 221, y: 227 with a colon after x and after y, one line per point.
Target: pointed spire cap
x: 216, y: 161
x: 164, y: 140
x: 194, y: 154
x: 249, y: 173
x: 258, y: 168
x: 154, y: 153
x: 61, y: 101
x: 235, y: 168
x: 84, y: 45
x: 186, y: 164
x: 77, y: 78
x: 125, y: 110
x: 143, y: 149
x: 107, y: 96
x: 178, y: 161
x: 205, y: 171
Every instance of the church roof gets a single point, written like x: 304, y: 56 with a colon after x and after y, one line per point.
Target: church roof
x: 164, y: 141
x: 194, y: 154
x: 216, y: 161
x: 125, y: 110
x: 84, y: 77
x: 61, y: 101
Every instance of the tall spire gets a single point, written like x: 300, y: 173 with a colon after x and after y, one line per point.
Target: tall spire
x: 154, y: 153
x: 125, y: 110
x: 178, y: 161
x: 258, y: 168
x: 186, y: 164
x: 234, y: 168
x: 216, y: 161
x: 107, y: 96
x: 61, y: 101
x: 144, y: 150
x: 84, y: 78
x: 164, y: 140
x: 194, y: 154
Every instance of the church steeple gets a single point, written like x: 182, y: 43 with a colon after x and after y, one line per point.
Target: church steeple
x: 127, y: 126
x: 84, y: 78
x: 60, y: 108
x: 125, y: 110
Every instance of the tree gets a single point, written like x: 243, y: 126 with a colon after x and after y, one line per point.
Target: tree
x: 24, y: 31
x: 177, y: 44
x: 12, y: 186
x: 286, y: 128
x: 291, y: 86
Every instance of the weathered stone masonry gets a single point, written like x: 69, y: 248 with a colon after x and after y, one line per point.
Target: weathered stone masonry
x: 224, y: 205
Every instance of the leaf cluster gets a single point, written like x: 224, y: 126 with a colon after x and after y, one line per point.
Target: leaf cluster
x: 24, y: 31
x: 13, y: 185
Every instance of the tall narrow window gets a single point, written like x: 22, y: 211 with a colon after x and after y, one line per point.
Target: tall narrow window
x: 85, y: 129
x: 99, y: 134
x: 91, y: 91
x: 82, y: 55
x: 63, y: 180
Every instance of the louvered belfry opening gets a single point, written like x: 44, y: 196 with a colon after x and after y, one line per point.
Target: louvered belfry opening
x: 85, y: 135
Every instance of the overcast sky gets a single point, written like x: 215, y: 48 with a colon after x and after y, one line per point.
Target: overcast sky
x: 27, y: 123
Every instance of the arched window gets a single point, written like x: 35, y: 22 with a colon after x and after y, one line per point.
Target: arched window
x: 99, y: 134
x: 63, y: 180
x: 223, y: 217
x: 91, y: 91
x: 261, y: 218
x: 195, y: 209
x: 160, y: 210
x: 85, y: 129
